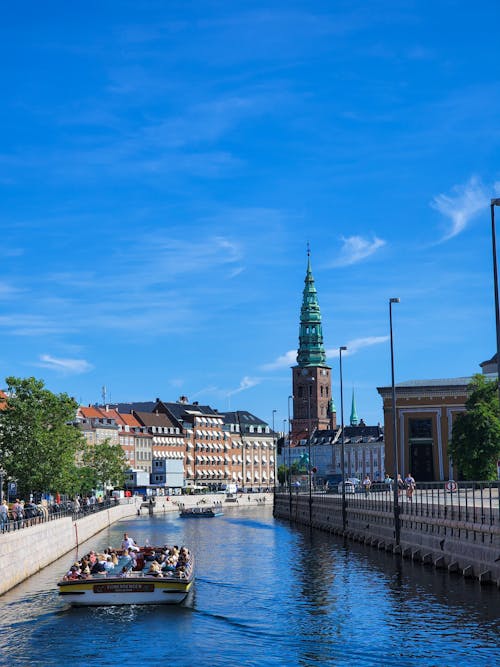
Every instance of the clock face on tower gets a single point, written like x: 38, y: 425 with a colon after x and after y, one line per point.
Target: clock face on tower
x: 305, y: 371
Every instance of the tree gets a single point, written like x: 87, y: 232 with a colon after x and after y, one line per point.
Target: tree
x: 105, y: 463
x: 475, y: 444
x: 38, y: 442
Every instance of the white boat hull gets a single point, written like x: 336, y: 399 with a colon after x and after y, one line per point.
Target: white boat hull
x: 119, y: 591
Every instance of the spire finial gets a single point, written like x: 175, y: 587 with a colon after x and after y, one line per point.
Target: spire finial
x: 308, y: 249
x: 354, y: 414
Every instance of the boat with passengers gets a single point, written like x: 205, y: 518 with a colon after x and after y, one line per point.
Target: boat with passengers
x: 145, y: 575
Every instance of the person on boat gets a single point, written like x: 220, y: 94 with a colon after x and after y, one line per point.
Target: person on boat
x: 108, y: 564
x: 129, y: 543
x: 98, y: 566
x: 155, y: 569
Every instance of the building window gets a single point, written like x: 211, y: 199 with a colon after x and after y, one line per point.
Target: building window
x: 420, y: 428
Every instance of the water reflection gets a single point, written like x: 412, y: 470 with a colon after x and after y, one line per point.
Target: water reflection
x: 265, y: 594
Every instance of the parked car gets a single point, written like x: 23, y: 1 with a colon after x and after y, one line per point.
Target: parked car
x: 352, y: 484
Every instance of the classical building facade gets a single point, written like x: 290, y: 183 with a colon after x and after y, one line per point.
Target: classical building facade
x: 425, y: 410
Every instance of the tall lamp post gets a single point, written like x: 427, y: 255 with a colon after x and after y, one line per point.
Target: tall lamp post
x: 2, y: 475
x: 342, y: 449
x: 275, y: 454
x: 397, y: 531
x: 496, y: 202
x: 290, y: 398
x: 309, y: 392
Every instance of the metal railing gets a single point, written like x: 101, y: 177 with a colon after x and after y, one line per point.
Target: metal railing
x: 469, y: 502
x: 53, y: 512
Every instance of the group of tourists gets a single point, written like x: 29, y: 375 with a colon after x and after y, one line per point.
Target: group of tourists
x: 406, y: 485
x: 166, y: 561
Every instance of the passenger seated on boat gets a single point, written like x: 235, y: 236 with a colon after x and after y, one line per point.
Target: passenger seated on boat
x: 98, y: 567
x: 169, y: 565
x: 155, y: 569
x: 108, y: 564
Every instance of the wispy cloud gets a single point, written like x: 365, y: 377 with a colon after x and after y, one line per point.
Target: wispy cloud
x: 290, y: 358
x: 461, y: 206
x: 356, y: 248
x: 284, y: 361
x: 7, y: 291
x: 64, y: 366
x: 246, y: 383
x: 356, y: 345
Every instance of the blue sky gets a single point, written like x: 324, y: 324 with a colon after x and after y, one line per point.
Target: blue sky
x: 163, y: 166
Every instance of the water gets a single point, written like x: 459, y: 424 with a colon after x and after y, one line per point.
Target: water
x: 265, y: 594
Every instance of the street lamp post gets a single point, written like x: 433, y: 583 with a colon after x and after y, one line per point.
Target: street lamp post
x: 397, y: 531
x: 496, y: 202
x: 342, y: 448
x: 2, y: 475
x: 290, y: 398
x: 309, y: 392
x: 275, y: 454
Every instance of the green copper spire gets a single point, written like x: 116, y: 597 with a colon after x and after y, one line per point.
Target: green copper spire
x: 354, y: 415
x: 311, y: 351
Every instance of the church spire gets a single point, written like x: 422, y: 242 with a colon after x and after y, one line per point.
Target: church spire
x: 311, y: 351
x: 354, y: 415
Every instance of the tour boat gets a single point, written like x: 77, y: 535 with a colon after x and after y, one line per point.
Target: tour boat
x: 200, y: 512
x: 136, y: 586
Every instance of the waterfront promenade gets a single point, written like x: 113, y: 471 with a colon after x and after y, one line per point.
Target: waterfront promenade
x: 458, y: 531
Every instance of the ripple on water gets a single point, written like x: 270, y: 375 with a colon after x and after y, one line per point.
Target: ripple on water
x: 265, y: 595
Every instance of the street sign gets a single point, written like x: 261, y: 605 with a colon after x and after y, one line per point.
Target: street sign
x: 451, y: 486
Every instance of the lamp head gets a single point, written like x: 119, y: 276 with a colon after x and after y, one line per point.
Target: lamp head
x: 395, y: 299
x: 343, y: 348
x: 495, y: 202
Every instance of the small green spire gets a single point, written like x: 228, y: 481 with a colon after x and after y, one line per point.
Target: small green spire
x: 331, y: 407
x: 311, y: 351
x: 354, y: 416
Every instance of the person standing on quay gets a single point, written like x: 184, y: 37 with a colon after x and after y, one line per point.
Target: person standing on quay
x: 401, y: 484
x: 410, y: 485
x: 367, y: 484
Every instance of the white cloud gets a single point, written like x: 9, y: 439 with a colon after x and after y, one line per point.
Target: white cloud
x: 357, y: 344
x: 357, y: 248
x: 461, y: 206
x: 65, y: 366
x: 290, y: 358
x: 285, y: 361
x: 246, y: 383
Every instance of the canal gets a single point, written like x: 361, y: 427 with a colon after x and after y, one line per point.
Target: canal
x: 266, y: 594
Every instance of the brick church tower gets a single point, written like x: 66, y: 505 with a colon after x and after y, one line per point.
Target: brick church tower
x: 313, y: 406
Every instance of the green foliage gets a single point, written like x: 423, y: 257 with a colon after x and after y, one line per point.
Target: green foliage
x: 38, y: 443
x: 105, y: 464
x: 475, y: 444
x: 282, y: 473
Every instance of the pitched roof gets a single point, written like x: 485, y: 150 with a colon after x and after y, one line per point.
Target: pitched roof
x: 130, y: 420
x: 3, y: 400
x: 154, y: 419
x: 90, y: 412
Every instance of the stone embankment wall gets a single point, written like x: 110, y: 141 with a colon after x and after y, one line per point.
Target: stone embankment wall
x: 470, y: 549
x: 25, y: 551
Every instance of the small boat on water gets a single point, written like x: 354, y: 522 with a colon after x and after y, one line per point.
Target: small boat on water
x: 122, y: 586
x: 200, y: 512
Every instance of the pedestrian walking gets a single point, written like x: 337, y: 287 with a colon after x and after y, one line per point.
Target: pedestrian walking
x: 401, y: 485
x: 367, y: 484
x: 410, y: 485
